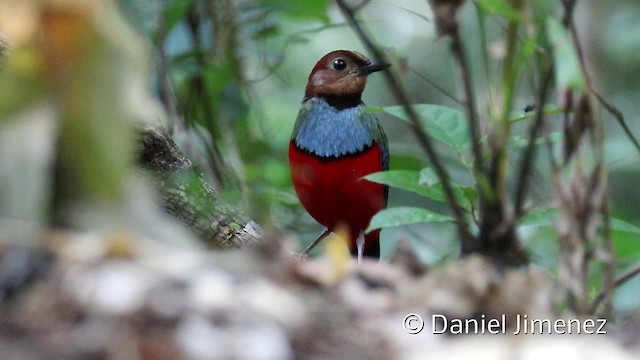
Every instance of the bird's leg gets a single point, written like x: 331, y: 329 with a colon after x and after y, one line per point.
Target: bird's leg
x: 360, y: 246
x: 315, y: 242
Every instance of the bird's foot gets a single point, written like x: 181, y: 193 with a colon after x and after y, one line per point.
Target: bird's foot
x: 360, y: 247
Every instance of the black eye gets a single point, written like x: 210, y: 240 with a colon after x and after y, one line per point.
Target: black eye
x: 339, y: 64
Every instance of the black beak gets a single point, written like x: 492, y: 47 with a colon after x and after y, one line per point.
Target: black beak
x: 372, y: 67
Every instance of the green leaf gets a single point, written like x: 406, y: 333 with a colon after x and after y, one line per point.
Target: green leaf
x: 397, y: 216
x: 408, y: 161
x: 373, y: 109
x: 313, y: 10
x: 429, y: 179
x: 621, y: 225
x: 567, y: 65
x: 423, y: 183
x: 175, y: 11
x: 266, y: 31
x: 444, y: 124
x: 403, y: 179
x: 625, y: 246
x: 501, y: 8
x: 540, y: 217
x: 549, y: 216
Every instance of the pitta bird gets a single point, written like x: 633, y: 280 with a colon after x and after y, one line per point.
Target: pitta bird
x: 333, y: 145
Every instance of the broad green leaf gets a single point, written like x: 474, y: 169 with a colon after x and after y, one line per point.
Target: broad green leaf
x: 621, y: 225
x: 417, y: 182
x: 373, y: 109
x: 315, y: 10
x: 175, y: 11
x: 469, y: 193
x: 408, y: 161
x: 500, y: 7
x: 540, y: 217
x: 445, y: 124
x: 549, y: 216
x: 527, y: 51
x: 625, y: 245
x: 266, y: 31
x: 462, y: 194
x: 567, y: 66
x: 397, y: 216
x: 403, y: 179
x: 429, y: 178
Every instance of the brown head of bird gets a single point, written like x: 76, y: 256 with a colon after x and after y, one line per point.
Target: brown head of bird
x: 341, y: 74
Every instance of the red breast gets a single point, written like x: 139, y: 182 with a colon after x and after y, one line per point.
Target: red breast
x: 335, y: 144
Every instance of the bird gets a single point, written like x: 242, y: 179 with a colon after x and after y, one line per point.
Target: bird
x: 334, y: 144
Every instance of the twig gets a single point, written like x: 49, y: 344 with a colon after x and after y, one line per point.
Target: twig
x: 437, y: 87
x: 618, y: 115
x: 555, y: 167
x: 528, y: 157
x: 547, y: 111
x: 497, y: 233
x: 620, y: 280
x: 485, y: 55
x: 315, y: 243
x: 297, y: 37
x: 214, y: 165
x: 527, y: 161
x: 467, y: 240
x: 361, y: 5
x: 569, y: 5
x: 609, y: 283
x: 470, y: 102
x: 166, y: 93
x: 421, y: 16
x: 609, y: 257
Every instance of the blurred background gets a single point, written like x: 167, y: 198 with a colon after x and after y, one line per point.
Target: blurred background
x: 256, y: 81
x: 231, y: 75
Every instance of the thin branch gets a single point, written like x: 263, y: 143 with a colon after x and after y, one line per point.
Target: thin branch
x: 527, y: 161
x: 488, y: 179
x: 529, y: 154
x: 547, y: 111
x: 555, y: 167
x: 166, y: 94
x: 510, y: 66
x: 297, y: 37
x: 421, y: 16
x: 569, y: 5
x: 497, y: 233
x: 481, y: 15
x: 620, y: 280
x: 315, y: 243
x: 399, y: 92
x: 609, y: 257
x: 361, y: 5
x: 472, y: 117
x: 437, y: 87
x: 609, y: 283
x: 619, y: 116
